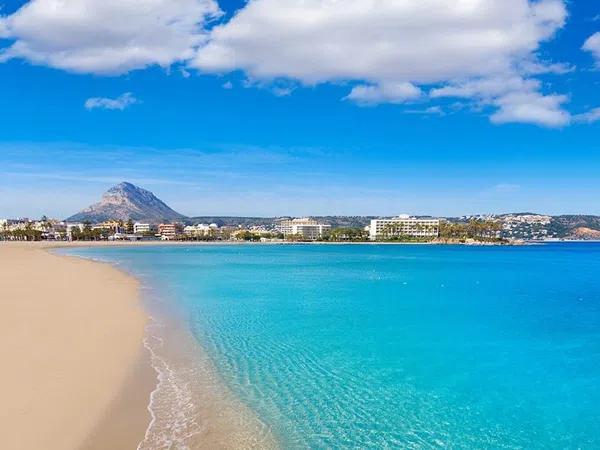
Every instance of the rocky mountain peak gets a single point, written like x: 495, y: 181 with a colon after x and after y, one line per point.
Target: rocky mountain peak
x: 127, y: 201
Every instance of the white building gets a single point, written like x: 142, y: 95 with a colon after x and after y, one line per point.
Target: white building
x: 404, y: 225
x: 201, y: 229
x: 141, y: 228
x: 71, y: 227
x: 305, y: 228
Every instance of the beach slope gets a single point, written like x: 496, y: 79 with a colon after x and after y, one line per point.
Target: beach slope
x: 74, y: 370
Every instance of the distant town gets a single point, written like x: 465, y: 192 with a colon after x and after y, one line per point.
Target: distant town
x: 404, y: 228
x: 129, y: 213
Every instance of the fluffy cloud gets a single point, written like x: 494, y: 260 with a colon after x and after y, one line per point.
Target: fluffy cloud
x: 413, y: 40
x: 590, y: 116
x: 106, y: 36
x: 515, y: 99
x: 593, y: 45
x: 532, y: 107
x: 390, y: 47
x: 384, y: 93
x: 389, y: 51
x: 119, y: 103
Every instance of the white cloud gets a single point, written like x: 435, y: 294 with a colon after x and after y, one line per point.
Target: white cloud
x: 437, y: 110
x: 516, y: 100
x: 386, y: 43
x: 227, y: 85
x: 384, y: 93
x: 592, y: 45
x: 590, y: 116
x: 280, y: 91
x: 486, y: 88
x: 532, y: 107
x: 390, y: 50
x: 533, y: 67
x: 184, y: 72
x: 412, y: 40
x: 119, y: 103
x: 431, y: 110
x: 106, y: 36
x: 3, y: 30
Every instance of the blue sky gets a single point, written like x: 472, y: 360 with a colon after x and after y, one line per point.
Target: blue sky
x: 280, y: 129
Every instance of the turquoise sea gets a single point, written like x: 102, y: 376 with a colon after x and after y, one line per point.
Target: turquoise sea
x: 394, y: 346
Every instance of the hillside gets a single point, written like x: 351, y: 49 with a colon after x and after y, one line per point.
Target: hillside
x: 126, y: 201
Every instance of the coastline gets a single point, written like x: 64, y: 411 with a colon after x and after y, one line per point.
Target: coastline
x: 139, y: 382
x: 104, y: 243
x: 72, y: 338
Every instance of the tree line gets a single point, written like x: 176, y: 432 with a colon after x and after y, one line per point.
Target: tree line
x: 479, y: 230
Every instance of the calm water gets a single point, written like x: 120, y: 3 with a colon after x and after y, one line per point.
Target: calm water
x: 396, y: 346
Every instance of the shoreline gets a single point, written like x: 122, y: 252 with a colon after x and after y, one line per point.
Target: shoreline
x: 189, y: 405
x: 78, y: 378
x: 80, y: 244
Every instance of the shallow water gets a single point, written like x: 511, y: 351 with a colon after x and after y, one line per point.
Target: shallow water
x: 394, y: 346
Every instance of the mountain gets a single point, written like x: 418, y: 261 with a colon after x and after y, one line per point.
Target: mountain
x: 585, y: 233
x: 126, y: 201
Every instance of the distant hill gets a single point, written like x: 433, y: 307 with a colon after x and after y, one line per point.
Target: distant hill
x: 585, y: 233
x: 125, y: 201
x: 575, y: 225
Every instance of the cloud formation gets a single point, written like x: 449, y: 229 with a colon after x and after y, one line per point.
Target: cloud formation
x: 483, y: 51
x: 592, y: 45
x: 384, y: 93
x: 515, y: 100
x: 107, y: 37
x: 119, y: 103
x: 590, y: 116
x: 393, y: 49
x: 415, y: 40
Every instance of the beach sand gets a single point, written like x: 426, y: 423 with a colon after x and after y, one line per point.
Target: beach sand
x: 75, y: 373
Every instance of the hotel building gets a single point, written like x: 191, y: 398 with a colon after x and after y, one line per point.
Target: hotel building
x: 404, y: 225
x: 201, y: 229
x: 141, y: 228
x: 305, y: 228
x: 167, y: 231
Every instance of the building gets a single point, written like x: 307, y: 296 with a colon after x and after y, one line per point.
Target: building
x: 304, y: 228
x: 71, y: 227
x: 201, y: 230
x: 112, y: 225
x: 167, y: 231
x: 141, y: 228
x: 404, y: 225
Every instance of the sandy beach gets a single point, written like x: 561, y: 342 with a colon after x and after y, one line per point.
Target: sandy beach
x: 75, y: 372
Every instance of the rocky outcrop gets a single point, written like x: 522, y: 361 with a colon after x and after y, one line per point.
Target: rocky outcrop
x: 126, y: 201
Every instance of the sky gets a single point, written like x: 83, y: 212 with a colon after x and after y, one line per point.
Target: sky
x: 302, y: 107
